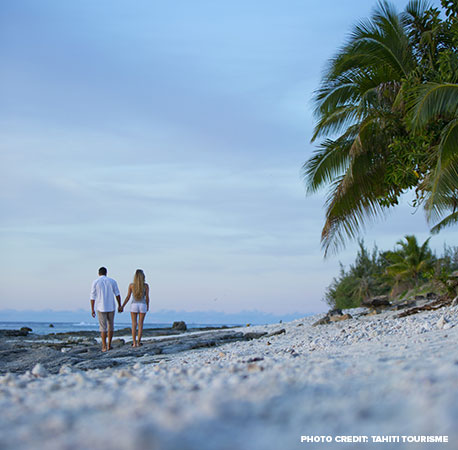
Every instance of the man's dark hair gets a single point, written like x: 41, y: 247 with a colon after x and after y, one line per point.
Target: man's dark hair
x: 103, y: 271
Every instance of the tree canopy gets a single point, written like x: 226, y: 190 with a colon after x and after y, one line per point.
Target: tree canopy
x: 387, y: 120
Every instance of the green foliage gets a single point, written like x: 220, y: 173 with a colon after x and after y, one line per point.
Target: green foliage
x: 443, y: 267
x: 364, y: 279
x: 409, y: 267
x: 451, y: 8
x: 410, y: 264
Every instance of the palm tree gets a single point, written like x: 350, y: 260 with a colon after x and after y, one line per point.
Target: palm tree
x: 409, y: 264
x: 361, y: 100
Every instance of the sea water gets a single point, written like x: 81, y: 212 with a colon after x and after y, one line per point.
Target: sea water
x: 65, y: 327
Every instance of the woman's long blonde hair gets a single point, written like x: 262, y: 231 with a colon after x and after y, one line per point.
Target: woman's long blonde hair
x: 138, y: 286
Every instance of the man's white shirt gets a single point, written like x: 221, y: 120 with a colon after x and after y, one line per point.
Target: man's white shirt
x: 104, y: 290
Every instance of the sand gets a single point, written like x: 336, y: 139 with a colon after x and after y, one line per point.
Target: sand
x: 374, y: 377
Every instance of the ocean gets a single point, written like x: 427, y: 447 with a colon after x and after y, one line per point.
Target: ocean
x: 64, y: 327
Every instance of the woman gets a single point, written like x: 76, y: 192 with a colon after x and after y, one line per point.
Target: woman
x: 139, y: 306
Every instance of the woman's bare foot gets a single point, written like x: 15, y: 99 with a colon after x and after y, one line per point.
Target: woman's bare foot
x: 134, y: 345
x: 104, y: 349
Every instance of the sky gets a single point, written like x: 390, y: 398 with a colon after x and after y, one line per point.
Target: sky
x: 169, y: 136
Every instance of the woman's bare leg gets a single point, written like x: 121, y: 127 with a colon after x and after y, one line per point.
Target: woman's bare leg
x: 140, y: 327
x: 134, y: 328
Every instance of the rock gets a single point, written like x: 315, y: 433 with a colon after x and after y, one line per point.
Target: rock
x: 339, y: 318
x: 7, y: 379
x: 255, y: 359
x: 124, y: 373
x: 39, y: 371
x: 13, y: 333
x: 455, y: 302
x: 20, y: 357
x: 380, y: 301
x: 441, y: 322
x: 276, y: 333
x: 51, y: 325
x: 180, y: 326
x: 323, y: 321
x: 26, y: 329
x: 64, y: 369
x: 254, y: 335
x: 405, y: 304
x: 116, y: 343
x: 252, y: 367
x: 333, y: 315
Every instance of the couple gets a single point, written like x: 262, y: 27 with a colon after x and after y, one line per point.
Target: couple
x: 103, y: 293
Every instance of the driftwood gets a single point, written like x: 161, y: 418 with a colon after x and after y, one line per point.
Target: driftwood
x: 437, y: 304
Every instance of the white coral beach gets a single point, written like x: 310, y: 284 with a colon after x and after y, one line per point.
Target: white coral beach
x: 369, y: 376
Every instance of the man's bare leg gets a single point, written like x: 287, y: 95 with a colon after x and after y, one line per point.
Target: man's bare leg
x: 134, y: 329
x: 110, y: 336
x: 140, y: 328
x: 103, y: 335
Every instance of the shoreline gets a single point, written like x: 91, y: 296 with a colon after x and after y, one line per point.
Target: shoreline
x: 368, y: 375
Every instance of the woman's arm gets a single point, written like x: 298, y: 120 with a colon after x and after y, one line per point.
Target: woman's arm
x: 129, y: 292
x: 147, y: 297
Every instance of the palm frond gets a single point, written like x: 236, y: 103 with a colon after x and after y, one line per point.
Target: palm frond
x: 444, y: 179
x: 415, y: 10
x: 434, y: 100
x: 451, y: 219
x: 351, y: 202
x: 330, y: 160
x: 378, y: 42
x: 340, y: 118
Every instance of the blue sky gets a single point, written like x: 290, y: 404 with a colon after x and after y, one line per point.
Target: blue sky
x: 168, y: 136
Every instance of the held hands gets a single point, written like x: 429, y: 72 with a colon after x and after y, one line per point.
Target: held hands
x: 120, y: 309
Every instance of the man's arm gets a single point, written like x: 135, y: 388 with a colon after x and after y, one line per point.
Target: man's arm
x: 93, y: 296
x: 117, y: 294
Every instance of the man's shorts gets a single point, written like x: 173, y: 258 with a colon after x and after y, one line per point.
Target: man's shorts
x: 105, y: 319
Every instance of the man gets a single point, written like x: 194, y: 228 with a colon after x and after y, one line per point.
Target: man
x: 103, y: 293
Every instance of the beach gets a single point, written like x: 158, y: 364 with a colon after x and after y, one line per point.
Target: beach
x: 377, y: 377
